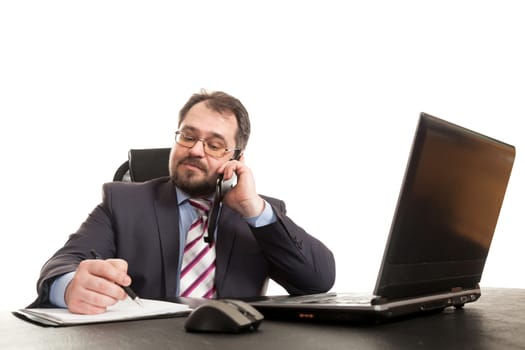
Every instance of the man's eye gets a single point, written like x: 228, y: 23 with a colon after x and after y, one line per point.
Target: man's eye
x: 216, y: 146
x: 188, y: 138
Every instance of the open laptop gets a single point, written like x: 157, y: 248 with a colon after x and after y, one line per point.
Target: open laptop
x: 446, y: 214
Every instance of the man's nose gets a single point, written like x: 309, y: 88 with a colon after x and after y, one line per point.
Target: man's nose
x: 198, y: 148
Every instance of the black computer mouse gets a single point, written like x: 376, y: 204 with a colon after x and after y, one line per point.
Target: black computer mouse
x: 224, y: 316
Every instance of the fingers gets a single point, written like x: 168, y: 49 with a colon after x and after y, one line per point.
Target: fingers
x: 97, y: 285
x: 119, y: 275
x: 79, y: 306
x: 232, y: 166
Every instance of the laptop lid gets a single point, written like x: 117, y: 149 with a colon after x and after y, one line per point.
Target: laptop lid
x: 447, y: 210
x: 441, y: 231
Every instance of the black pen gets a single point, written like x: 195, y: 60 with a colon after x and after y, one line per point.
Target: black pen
x: 128, y: 290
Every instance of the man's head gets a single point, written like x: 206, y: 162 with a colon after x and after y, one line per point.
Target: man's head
x: 212, y: 126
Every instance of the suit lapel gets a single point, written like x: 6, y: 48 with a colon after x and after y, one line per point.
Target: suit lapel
x: 167, y: 211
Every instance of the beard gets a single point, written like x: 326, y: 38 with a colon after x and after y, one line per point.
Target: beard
x: 190, y: 181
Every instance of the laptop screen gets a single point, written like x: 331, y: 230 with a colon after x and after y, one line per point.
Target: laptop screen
x: 447, y: 210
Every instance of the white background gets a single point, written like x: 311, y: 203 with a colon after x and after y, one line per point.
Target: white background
x: 334, y: 89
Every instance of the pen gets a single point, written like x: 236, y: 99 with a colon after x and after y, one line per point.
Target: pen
x: 128, y: 290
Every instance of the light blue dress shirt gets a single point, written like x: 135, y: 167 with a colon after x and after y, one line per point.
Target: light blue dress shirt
x: 188, y: 214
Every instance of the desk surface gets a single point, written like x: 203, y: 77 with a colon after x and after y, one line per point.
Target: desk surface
x: 495, y: 321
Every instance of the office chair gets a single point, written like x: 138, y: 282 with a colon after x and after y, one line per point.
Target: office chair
x: 143, y: 165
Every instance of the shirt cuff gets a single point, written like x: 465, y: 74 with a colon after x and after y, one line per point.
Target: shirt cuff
x: 58, y: 289
x: 267, y: 217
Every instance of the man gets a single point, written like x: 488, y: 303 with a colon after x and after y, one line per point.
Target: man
x: 140, y: 229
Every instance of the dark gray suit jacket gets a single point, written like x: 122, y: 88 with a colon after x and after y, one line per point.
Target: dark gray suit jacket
x: 139, y: 222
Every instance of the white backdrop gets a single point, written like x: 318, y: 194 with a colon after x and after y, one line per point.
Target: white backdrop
x: 334, y: 89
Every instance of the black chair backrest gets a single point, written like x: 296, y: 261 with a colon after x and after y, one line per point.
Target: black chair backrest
x: 143, y: 165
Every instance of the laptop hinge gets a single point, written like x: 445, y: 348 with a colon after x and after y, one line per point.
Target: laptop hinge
x: 378, y: 301
x: 382, y: 300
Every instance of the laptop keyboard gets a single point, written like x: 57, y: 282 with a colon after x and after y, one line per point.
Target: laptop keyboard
x: 331, y: 298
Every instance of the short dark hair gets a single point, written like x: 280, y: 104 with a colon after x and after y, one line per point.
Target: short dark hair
x: 221, y: 102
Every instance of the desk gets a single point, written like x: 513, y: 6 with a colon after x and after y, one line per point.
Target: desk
x: 495, y: 321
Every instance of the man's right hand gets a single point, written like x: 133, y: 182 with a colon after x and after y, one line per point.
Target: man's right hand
x: 97, y: 285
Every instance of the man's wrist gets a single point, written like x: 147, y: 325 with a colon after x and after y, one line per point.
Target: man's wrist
x: 58, y: 289
x: 267, y: 217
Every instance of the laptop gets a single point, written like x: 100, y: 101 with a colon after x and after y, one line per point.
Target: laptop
x: 444, y: 221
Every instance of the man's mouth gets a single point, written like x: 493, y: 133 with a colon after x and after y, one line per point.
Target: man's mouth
x: 193, y: 165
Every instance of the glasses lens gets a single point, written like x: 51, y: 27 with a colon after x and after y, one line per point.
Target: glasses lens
x: 185, y: 140
x: 214, y: 147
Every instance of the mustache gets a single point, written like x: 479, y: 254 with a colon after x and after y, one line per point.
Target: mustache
x: 194, y: 162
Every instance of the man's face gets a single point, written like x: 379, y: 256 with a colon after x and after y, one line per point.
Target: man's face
x: 191, y: 169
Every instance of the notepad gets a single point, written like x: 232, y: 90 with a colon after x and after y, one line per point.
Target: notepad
x: 125, y: 310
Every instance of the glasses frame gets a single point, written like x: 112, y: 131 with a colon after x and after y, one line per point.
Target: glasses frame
x: 205, y: 144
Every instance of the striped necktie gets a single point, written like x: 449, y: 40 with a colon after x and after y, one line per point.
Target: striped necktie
x: 198, y: 262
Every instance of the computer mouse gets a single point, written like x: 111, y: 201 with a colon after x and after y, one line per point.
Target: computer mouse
x: 224, y: 316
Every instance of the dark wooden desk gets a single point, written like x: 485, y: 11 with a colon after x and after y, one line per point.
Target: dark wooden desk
x: 496, y: 321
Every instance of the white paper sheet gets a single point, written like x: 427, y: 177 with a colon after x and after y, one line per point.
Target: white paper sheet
x: 121, y: 311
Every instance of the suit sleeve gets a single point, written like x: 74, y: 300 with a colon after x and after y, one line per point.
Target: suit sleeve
x: 298, y: 261
x: 95, y: 233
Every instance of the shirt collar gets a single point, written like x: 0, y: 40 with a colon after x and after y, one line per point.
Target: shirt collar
x: 183, y: 196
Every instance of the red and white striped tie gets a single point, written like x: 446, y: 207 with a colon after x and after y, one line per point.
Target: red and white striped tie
x: 198, y: 262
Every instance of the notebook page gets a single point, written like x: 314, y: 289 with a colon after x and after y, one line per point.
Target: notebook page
x: 123, y: 310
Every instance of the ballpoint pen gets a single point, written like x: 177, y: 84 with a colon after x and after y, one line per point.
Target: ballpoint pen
x: 128, y: 290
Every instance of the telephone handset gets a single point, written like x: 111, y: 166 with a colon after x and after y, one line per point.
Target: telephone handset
x: 223, y: 187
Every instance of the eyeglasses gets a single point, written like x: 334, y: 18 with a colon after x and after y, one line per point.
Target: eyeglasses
x: 213, y: 146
